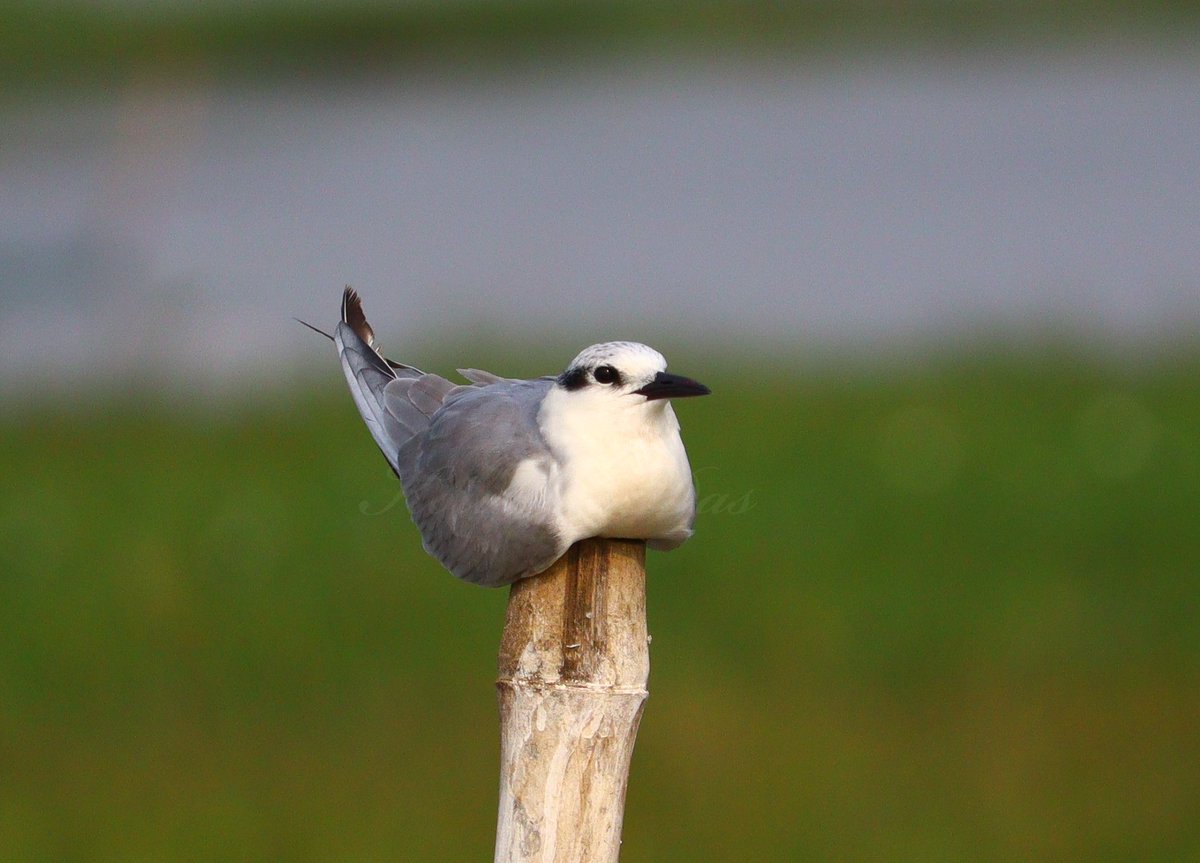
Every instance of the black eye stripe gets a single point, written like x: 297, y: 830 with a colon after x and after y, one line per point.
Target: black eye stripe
x: 573, y: 379
x: 578, y: 377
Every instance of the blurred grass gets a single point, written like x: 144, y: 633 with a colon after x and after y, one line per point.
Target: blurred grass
x: 946, y: 610
x: 96, y: 44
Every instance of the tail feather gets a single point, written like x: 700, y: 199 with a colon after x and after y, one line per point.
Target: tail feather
x: 316, y: 330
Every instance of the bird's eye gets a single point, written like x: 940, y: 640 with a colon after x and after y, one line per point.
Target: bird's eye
x: 606, y: 375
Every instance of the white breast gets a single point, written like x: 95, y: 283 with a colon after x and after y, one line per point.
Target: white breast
x: 623, y: 468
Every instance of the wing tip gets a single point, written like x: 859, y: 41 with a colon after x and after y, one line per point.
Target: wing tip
x: 354, y: 316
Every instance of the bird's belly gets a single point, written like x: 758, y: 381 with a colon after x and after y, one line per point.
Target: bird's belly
x: 637, y: 495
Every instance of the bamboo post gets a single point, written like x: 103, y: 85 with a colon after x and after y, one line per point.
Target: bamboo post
x: 574, y: 660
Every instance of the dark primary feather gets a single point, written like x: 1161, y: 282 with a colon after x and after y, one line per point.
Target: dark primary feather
x: 354, y: 317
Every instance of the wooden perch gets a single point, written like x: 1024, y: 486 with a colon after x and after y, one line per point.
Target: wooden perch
x: 574, y: 661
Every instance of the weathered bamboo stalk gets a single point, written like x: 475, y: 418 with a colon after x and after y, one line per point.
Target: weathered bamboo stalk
x: 574, y: 661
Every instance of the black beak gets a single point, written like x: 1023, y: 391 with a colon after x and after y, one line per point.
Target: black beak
x: 665, y: 386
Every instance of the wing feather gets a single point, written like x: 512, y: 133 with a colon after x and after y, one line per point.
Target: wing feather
x: 481, y: 378
x: 456, y: 450
x: 382, y: 389
x: 455, y: 477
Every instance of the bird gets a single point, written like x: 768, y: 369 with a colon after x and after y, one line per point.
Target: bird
x: 502, y: 475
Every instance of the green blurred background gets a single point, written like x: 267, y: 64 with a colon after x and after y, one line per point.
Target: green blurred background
x: 941, y: 603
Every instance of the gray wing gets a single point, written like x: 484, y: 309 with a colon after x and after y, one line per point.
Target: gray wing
x: 454, y: 476
x: 395, y: 400
x: 455, y: 449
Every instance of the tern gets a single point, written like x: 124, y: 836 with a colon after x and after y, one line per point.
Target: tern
x: 502, y: 475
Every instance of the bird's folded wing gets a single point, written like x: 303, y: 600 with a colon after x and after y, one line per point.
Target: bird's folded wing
x: 458, y: 481
x: 396, y: 401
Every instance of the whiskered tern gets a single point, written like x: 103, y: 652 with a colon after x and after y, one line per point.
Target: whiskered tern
x: 502, y: 475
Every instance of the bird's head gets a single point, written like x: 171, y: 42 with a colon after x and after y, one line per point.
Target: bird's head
x: 629, y: 372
